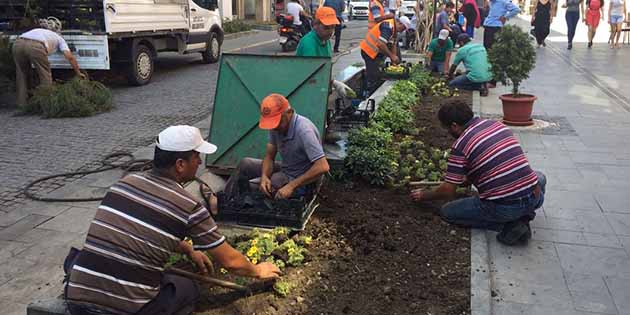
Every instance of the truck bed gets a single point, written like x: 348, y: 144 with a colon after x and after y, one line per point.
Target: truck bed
x: 97, y: 16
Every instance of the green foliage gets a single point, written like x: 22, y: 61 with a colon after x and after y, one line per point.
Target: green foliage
x: 76, y: 98
x: 7, y: 65
x: 275, y: 247
x: 370, y: 155
x: 421, y: 77
x: 512, y: 57
x: 283, y: 287
x: 419, y: 162
x: 440, y: 88
x: 235, y: 26
x: 394, y: 111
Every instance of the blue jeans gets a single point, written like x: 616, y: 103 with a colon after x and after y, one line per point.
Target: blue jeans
x: 463, y: 83
x: 470, y: 30
x: 485, y: 214
x: 572, y: 21
x: 437, y: 66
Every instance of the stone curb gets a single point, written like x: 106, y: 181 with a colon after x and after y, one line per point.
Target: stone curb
x: 480, y: 281
x: 239, y: 34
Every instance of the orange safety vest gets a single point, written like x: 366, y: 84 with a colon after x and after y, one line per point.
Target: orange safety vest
x: 369, y: 44
x: 371, y: 21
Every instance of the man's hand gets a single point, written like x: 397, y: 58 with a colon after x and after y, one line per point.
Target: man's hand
x: 267, y: 270
x: 81, y: 75
x: 202, y: 262
x: 417, y: 194
x: 285, y: 192
x: 265, y: 186
x: 394, y: 60
x: 503, y: 19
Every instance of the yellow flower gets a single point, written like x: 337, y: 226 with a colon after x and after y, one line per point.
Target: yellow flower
x: 252, y: 251
x: 254, y: 242
x: 223, y: 270
x: 254, y: 261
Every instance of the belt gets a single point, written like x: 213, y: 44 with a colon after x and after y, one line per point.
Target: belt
x: 32, y: 40
x: 536, y: 193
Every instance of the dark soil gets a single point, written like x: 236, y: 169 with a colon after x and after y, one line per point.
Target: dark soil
x: 431, y: 131
x: 374, y: 251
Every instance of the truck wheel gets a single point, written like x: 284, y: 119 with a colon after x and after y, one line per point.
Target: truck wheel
x: 141, y: 67
x: 213, y: 49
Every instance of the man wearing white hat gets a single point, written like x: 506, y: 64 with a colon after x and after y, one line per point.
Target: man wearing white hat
x: 141, y: 221
x: 439, y: 52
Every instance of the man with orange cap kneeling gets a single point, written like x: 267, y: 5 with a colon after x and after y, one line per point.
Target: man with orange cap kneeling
x: 299, y: 144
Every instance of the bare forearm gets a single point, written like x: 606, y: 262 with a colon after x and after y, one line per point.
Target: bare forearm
x: 319, y: 168
x: 233, y: 261
x: 384, y: 17
x: 74, y: 64
x: 184, y: 248
x: 385, y: 50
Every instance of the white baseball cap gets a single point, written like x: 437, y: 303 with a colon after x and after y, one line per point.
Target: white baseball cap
x: 443, y: 34
x: 405, y: 21
x: 182, y: 139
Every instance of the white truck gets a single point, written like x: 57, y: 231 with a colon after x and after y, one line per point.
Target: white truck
x: 124, y: 33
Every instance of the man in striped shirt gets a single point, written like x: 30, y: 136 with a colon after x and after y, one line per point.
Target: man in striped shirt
x: 487, y: 155
x: 142, y: 220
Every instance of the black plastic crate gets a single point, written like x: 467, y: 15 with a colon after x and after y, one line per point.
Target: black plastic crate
x: 395, y: 76
x: 254, y: 209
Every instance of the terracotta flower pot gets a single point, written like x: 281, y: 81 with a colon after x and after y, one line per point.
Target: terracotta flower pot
x: 517, y: 111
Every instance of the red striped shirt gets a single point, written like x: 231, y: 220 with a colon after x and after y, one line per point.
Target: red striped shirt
x: 490, y: 157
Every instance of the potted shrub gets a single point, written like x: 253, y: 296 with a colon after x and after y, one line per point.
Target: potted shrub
x: 512, y: 57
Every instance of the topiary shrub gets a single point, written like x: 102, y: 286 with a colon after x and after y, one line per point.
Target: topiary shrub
x: 235, y: 26
x: 512, y: 57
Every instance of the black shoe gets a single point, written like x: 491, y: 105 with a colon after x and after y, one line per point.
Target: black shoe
x: 336, y: 51
x: 544, y: 44
x: 570, y: 46
x: 590, y: 44
x: 483, y: 91
x: 512, y: 233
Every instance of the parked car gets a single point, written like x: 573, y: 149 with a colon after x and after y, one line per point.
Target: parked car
x: 408, y: 8
x: 358, y: 9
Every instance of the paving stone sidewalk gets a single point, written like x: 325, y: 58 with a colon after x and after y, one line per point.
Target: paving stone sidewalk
x: 578, y: 261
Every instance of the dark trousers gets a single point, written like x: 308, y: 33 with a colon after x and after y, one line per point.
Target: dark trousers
x: 572, y: 21
x: 177, y: 296
x: 337, y: 37
x: 247, y: 175
x: 488, y: 35
x: 372, y: 71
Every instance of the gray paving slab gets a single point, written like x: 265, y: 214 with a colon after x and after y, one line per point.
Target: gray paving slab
x: 571, y: 200
x: 619, y: 288
x: 42, y: 281
x: 24, y: 225
x: 74, y: 220
x: 589, y: 293
x: 510, y: 308
x: 614, y: 201
x: 593, y: 260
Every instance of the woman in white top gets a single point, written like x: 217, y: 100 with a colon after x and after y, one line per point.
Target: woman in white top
x: 616, y: 14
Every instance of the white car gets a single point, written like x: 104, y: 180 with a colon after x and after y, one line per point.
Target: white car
x: 358, y: 9
x: 408, y: 8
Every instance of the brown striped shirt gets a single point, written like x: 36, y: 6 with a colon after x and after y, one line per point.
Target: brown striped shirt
x: 138, y: 225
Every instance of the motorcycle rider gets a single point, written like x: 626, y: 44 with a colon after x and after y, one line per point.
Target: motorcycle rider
x: 297, y: 11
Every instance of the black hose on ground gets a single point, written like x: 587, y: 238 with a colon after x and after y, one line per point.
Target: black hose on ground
x: 129, y: 165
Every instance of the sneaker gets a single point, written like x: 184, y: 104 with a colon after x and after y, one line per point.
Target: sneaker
x: 512, y: 233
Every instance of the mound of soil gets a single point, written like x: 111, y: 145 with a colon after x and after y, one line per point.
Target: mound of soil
x: 431, y: 132
x: 373, y: 252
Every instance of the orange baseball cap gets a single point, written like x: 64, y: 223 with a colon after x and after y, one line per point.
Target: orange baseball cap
x: 327, y: 16
x: 271, y: 109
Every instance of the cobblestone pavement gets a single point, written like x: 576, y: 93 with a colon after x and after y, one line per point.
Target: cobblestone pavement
x: 181, y: 92
x: 578, y: 261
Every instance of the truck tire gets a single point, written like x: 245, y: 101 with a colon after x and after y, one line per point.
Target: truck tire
x: 213, y: 49
x: 142, y: 65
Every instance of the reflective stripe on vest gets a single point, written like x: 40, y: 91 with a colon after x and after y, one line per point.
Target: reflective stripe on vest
x: 371, y: 21
x: 370, y: 44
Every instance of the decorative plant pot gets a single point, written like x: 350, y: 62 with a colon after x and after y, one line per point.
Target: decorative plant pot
x: 517, y: 111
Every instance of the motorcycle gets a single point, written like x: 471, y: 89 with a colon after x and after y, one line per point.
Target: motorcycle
x: 290, y: 35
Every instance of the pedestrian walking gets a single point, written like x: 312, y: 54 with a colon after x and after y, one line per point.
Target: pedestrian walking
x: 473, y: 18
x: 541, y: 19
x: 616, y: 13
x: 499, y: 12
x: 339, y: 6
x: 594, y: 13
x: 30, y: 52
x: 575, y: 9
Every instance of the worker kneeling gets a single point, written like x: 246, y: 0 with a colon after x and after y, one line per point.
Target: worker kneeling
x: 379, y: 43
x: 142, y: 220
x: 299, y: 144
x: 475, y: 59
x: 487, y: 155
